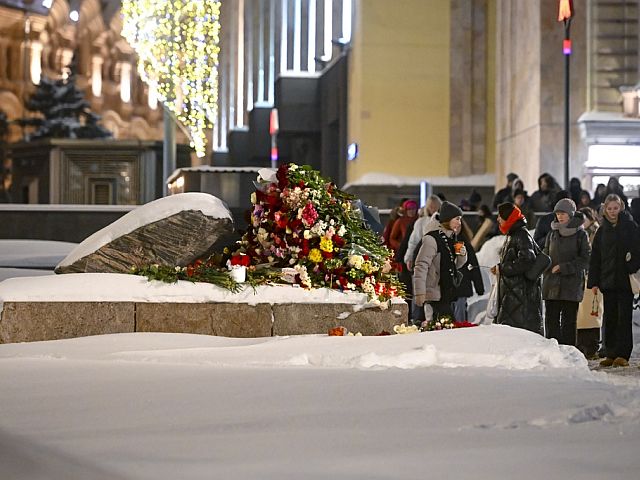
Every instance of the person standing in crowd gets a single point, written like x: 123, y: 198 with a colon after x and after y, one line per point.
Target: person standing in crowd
x: 563, y: 283
x: 635, y: 210
x: 585, y: 200
x: 428, y: 222
x: 487, y: 229
x: 543, y: 199
x: 599, y: 195
x: 521, y: 200
x: 590, y: 309
x: 436, y: 272
x: 615, y: 254
x: 575, y: 189
x: 471, y: 278
x: 393, y: 217
x: 543, y: 225
x: 614, y: 187
x: 399, y: 230
x: 504, y: 194
x: 519, y: 299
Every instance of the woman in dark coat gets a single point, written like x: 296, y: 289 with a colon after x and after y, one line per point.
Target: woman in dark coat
x: 519, y: 299
x: 615, y: 254
x: 563, y: 283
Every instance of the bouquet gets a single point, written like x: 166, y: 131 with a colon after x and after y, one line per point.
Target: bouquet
x: 307, y: 230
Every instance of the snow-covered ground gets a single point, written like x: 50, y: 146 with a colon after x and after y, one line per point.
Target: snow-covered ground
x: 486, y: 402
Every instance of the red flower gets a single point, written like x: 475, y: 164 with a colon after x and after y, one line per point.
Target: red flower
x: 463, y: 324
x: 338, y: 241
x: 337, y: 332
x: 241, y: 259
x: 282, y: 175
x: 306, y: 248
x: 326, y: 254
x: 190, y: 270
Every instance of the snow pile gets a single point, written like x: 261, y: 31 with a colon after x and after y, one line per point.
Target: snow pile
x: 118, y: 287
x: 492, y: 346
x: 146, y: 214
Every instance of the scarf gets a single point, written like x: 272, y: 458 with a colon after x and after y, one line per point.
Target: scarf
x: 569, y: 228
x: 509, y: 222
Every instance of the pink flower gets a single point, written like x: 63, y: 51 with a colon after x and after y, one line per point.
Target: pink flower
x: 309, y: 215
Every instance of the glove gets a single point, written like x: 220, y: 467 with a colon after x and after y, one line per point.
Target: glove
x: 419, y: 299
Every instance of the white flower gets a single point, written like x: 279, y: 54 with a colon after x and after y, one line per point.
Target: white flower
x: 356, y: 261
x: 342, y: 230
x: 253, y: 198
x: 307, y: 234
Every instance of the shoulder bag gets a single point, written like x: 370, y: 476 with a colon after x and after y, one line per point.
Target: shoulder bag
x: 543, y: 261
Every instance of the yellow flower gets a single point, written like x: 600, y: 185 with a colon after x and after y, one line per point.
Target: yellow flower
x: 367, y: 267
x: 315, y: 256
x: 326, y: 244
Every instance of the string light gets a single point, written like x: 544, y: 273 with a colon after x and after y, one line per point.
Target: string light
x: 177, y: 43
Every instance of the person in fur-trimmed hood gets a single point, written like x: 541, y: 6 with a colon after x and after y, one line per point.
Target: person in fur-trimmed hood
x: 519, y: 299
x: 563, y: 283
x: 435, y: 275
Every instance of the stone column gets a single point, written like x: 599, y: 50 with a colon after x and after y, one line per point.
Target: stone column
x: 530, y: 90
x: 468, y: 87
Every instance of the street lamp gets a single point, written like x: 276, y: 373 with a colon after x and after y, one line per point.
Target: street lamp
x: 565, y: 12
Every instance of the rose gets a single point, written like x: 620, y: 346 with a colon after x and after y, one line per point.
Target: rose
x: 240, y: 259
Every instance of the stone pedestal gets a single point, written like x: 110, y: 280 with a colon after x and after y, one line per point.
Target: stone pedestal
x: 38, y: 321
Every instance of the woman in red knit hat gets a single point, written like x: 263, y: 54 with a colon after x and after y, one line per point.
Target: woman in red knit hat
x: 519, y: 299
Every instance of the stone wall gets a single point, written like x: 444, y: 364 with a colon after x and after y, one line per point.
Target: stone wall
x: 39, y: 321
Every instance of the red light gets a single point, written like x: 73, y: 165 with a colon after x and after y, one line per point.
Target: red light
x: 566, y: 47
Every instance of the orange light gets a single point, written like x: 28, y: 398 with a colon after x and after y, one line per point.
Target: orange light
x: 565, y: 10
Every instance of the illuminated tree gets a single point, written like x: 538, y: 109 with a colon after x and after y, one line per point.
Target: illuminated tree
x: 177, y: 46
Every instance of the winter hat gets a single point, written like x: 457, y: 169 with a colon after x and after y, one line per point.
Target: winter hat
x: 565, y: 205
x: 410, y: 205
x: 448, y: 211
x: 511, y: 177
x: 505, y: 210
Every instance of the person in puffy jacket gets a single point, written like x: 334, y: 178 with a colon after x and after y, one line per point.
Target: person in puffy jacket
x: 519, y: 299
x: 436, y: 273
x: 563, y: 283
x: 615, y: 254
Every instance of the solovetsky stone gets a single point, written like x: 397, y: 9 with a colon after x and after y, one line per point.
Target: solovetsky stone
x: 192, y: 226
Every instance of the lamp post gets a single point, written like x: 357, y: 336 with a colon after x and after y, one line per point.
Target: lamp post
x: 565, y: 12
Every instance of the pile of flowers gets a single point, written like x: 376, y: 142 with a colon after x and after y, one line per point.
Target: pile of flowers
x: 305, y: 231
x: 444, y: 322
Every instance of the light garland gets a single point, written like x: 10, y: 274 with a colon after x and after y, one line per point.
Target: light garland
x: 177, y: 43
